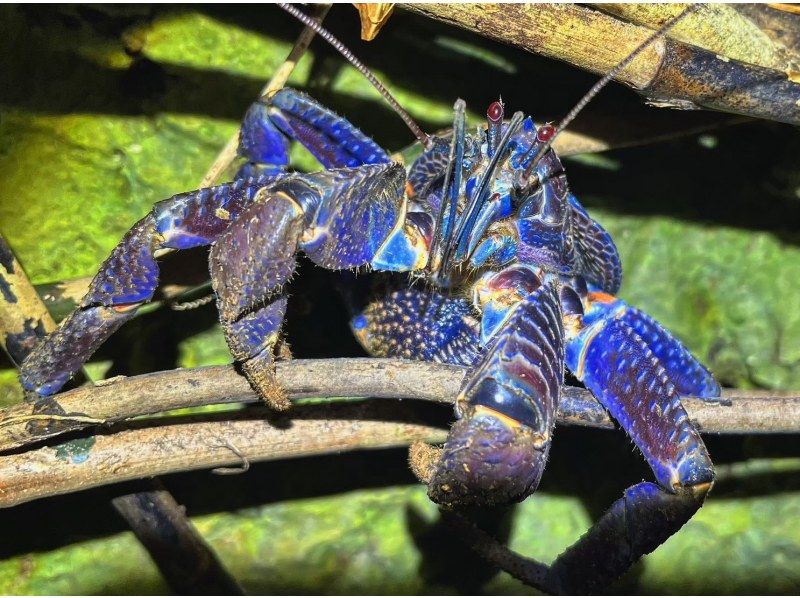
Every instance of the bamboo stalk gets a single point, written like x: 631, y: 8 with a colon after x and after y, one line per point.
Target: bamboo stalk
x: 668, y: 73
x: 718, y: 28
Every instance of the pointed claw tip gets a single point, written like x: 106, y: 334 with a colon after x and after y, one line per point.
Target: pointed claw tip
x: 422, y: 458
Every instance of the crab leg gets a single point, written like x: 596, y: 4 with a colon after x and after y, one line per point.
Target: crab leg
x: 249, y: 263
x: 288, y: 114
x: 617, y: 365
x: 129, y: 276
x: 413, y: 324
x: 598, y: 257
x: 497, y: 449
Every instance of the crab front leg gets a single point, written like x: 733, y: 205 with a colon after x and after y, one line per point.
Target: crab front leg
x: 497, y: 449
x: 128, y: 278
x: 607, y: 353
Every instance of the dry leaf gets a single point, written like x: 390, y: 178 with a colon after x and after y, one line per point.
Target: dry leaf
x: 373, y: 18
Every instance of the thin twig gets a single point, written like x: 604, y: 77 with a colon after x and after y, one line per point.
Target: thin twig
x: 527, y: 570
x: 742, y: 412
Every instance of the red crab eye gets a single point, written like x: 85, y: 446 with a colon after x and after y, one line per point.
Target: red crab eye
x: 495, y: 112
x: 545, y: 132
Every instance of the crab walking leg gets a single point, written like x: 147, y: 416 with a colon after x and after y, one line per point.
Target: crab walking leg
x: 619, y: 368
x: 599, y: 261
x: 346, y: 214
x: 249, y: 263
x: 496, y: 451
x: 287, y: 115
x: 690, y: 377
x: 412, y: 324
x: 339, y: 218
x: 129, y: 276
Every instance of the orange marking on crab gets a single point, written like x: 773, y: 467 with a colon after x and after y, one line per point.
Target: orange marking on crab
x: 508, y: 421
x: 600, y: 297
x: 125, y: 307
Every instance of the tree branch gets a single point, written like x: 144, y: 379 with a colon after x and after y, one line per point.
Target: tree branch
x: 191, y: 444
x: 742, y: 412
x: 171, y: 444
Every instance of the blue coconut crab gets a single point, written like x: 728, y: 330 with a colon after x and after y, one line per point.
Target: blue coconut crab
x: 513, y: 278
x: 519, y: 282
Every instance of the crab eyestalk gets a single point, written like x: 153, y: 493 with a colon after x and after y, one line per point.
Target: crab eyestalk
x: 488, y: 459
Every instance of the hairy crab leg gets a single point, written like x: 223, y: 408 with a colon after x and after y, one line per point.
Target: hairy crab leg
x: 339, y: 218
x: 496, y: 451
x: 605, y: 352
x: 249, y: 263
x: 129, y: 276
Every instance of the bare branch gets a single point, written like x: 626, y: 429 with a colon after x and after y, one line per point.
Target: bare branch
x: 191, y: 445
x: 226, y: 439
x: 124, y: 398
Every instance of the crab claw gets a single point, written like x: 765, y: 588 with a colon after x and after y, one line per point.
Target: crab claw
x: 488, y: 459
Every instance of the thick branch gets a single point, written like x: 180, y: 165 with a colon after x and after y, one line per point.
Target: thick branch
x: 669, y: 72
x: 123, y: 398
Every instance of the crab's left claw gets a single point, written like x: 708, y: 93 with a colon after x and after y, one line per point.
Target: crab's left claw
x: 497, y: 450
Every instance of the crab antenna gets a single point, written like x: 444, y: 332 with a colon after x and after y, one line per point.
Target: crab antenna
x: 342, y: 49
x: 603, y: 82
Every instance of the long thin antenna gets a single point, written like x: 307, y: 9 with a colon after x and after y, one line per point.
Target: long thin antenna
x: 603, y: 82
x: 342, y: 49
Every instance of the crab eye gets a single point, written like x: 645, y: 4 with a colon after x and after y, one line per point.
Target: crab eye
x: 495, y: 112
x: 545, y: 133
